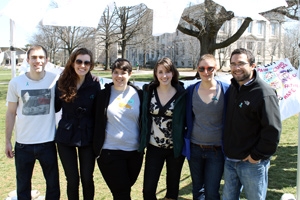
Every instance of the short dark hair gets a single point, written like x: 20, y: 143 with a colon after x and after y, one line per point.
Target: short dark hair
x: 122, y: 64
x: 250, y: 56
x: 37, y: 47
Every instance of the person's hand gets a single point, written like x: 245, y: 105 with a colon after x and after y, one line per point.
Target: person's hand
x: 250, y: 159
x: 8, y: 150
x: 95, y: 78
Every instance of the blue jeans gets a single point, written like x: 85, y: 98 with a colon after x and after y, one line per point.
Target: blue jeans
x: 155, y: 159
x: 25, y: 157
x: 206, y: 166
x: 120, y: 170
x: 69, y: 160
x: 252, y: 177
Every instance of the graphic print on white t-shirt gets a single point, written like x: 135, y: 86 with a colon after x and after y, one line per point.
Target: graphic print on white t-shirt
x: 36, y: 102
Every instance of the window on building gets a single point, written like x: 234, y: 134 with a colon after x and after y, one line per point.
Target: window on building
x: 239, y: 44
x: 249, y: 29
x: 273, y: 49
x: 239, y: 23
x: 260, y: 27
x: 274, y: 28
x: 249, y: 45
x: 163, y: 49
x: 259, y: 47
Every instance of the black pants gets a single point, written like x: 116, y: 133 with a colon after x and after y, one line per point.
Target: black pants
x: 155, y: 159
x: 120, y: 170
x: 68, y: 157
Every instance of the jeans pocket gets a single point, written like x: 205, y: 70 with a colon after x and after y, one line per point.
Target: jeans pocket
x: 20, y: 146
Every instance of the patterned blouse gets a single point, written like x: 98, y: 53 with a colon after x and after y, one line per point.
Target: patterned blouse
x: 161, y: 129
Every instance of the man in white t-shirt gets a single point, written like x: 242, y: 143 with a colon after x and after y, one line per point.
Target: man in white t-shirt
x: 30, y: 99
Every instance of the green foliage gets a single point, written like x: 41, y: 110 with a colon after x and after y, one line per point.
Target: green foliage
x: 282, y: 173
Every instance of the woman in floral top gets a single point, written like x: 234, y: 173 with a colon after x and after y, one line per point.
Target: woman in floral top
x: 162, y: 129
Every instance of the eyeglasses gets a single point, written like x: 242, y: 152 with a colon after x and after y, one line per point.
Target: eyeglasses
x: 208, y: 69
x: 241, y: 64
x: 86, y: 63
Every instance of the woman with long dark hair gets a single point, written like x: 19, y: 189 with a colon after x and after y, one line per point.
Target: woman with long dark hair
x: 162, y: 129
x: 75, y: 94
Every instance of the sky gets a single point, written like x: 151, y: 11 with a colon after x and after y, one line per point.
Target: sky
x: 21, y: 36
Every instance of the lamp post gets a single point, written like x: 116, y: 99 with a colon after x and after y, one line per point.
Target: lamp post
x: 12, y: 50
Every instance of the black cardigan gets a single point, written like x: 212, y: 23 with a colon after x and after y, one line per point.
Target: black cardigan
x: 76, y: 126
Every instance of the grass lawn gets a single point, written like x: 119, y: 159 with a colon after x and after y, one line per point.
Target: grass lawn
x: 282, y: 173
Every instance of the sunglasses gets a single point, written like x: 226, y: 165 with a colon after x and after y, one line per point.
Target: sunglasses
x: 208, y: 69
x: 86, y: 63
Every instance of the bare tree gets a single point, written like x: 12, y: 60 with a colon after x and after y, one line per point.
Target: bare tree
x: 193, y: 50
x: 144, y: 39
x: 66, y: 38
x: 203, y: 21
x: 130, y: 23
x: 56, y: 38
x: 45, y: 37
x: 73, y: 37
x: 291, y: 11
x: 107, y: 32
x: 290, y: 45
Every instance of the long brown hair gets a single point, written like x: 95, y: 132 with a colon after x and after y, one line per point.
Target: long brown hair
x: 67, y: 82
x: 168, y: 64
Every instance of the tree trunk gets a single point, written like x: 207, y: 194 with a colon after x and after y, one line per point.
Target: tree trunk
x: 106, y: 56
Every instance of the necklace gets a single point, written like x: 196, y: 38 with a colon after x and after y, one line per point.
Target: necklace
x: 214, y: 98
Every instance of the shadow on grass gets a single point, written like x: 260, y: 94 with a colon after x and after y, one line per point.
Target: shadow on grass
x: 283, y: 172
x: 282, y: 175
x: 186, y: 190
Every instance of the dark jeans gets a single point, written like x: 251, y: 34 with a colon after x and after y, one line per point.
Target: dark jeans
x: 68, y: 157
x: 206, y: 166
x: 25, y: 157
x: 155, y: 158
x: 120, y: 170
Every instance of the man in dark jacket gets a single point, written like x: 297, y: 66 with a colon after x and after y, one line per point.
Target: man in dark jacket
x: 252, y: 130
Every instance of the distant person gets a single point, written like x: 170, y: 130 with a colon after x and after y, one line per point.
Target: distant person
x: 30, y: 109
x: 205, y: 116
x: 162, y: 129
x: 117, y: 131
x: 75, y: 94
x: 252, y: 130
